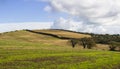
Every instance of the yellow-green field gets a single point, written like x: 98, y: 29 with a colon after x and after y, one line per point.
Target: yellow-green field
x: 26, y: 50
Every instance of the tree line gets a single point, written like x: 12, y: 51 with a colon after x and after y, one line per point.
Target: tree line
x: 112, y: 40
x: 105, y: 39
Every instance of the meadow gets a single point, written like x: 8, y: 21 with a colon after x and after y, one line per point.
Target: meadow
x: 26, y: 50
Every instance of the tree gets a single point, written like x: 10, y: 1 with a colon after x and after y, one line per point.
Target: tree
x: 74, y: 42
x: 85, y: 42
x: 88, y: 43
x: 113, y: 45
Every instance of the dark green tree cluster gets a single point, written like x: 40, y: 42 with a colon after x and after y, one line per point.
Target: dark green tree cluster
x: 112, y: 40
x: 85, y: 42
x: 105, y: 39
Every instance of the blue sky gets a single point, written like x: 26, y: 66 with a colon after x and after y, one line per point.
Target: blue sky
x: 25, y: 11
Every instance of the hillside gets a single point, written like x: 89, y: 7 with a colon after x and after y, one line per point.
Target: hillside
x: 27, y: 36
x: 64, y: 33
x: 32, y: 50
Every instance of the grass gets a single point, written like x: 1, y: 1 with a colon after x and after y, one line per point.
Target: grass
x: 25, y: 50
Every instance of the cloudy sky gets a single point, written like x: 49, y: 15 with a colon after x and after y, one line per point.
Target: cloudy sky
x: 97, y: 16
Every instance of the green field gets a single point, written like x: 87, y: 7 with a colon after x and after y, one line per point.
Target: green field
x: 26, y: 50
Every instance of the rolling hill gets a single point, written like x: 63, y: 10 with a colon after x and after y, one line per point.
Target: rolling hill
x: 28, y: 36
x: 44, y: 49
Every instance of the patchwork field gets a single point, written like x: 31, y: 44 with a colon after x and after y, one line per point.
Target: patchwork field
x: 27, y: 50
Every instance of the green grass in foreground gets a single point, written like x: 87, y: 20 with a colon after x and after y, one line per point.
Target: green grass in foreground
x: 41, y: 56
x: 24, y: 54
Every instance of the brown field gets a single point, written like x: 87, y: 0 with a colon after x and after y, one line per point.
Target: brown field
x: 64, y: 33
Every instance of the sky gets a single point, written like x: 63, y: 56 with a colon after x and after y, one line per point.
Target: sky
x: 25, y: 11
x: 93, y: 16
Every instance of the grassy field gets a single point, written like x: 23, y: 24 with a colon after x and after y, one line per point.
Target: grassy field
x: 26, y: 50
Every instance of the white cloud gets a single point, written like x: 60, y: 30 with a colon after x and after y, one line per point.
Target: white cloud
x: 48, y: 9
x: 70, y: 24
x: 92, y: 13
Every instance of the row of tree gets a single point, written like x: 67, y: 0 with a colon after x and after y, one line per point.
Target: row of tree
x: 85, y: 42
x: 105, y: 39
x: 112, y: 40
